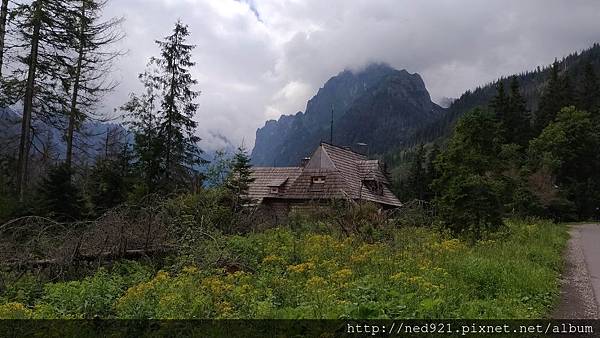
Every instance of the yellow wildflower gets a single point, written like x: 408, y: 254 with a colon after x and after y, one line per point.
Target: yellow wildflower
x: 341, y: 275
x: 364, y: 253
x: 161, y: 276
x: 302, y: 267
x: 14, y: 311
x: 190, y: 270
x: 273, y: 259
x: 216, y: 286
x: 224, y: 308
x: 316, y: 283
x: 416, y: 280
x: 398, y: 276
x: 451, y: 245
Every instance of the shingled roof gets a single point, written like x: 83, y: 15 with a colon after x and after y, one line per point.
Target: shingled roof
x: 343, y: 173
x: 266, y: 178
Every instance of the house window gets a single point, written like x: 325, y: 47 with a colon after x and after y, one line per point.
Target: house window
x: 375, y: 187
x: 274, y: 190
x: 318, y: 180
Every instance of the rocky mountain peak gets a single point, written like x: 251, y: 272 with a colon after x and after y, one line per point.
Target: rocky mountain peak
x: 291, y: 138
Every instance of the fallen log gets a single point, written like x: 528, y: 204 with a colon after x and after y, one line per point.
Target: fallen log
x: 104, y: 256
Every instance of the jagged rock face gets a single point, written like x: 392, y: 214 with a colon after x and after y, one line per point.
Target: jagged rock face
x: 379, y: 106
x: 390, y: 113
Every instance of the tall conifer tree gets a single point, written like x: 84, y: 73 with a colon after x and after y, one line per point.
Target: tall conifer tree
x: 181, y: 150
x: 41, y: 82
x: 589, y: 92
x: 163, y: 117
x: 240, y: 178
x: 556, y: 95
x: 500, y: 102
x: 518, y: 122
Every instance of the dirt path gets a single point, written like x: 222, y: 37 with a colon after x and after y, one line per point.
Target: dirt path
x: 580, y: 289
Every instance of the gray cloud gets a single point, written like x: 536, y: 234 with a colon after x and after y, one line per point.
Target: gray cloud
x: 257, y: 59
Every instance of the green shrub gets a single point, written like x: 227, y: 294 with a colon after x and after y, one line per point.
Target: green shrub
x: 23, y: 289
x: 93, y: 296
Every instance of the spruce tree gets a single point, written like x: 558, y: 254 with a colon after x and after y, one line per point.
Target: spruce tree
x: 178, y: 127
x: 162, y: 118
x: 432, y: 173
x: 59, y: 197
x: 42, y: 29
x: 111, y: 177
x: 144, y: 120
x: 468, y: 197
x: 110, y: 182
x: 517, y: 125
x: 556, y: 96
x: 416, y: 184
x: 500, y: 103
x: 588, y: 95
x: 240, y: 178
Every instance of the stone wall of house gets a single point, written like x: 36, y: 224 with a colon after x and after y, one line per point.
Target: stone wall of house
x: 276, y: 212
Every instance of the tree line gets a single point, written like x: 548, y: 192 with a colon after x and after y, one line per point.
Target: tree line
x: 505, y: 159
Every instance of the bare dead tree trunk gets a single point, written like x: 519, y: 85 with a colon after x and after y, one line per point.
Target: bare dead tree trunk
x: 3, y: 16
x: 25, y: 142
x: 106, y: 143
x: 73, y: 112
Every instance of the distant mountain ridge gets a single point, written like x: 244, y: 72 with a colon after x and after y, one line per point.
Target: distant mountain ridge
x: 378, y: 106
x: 90, y: 142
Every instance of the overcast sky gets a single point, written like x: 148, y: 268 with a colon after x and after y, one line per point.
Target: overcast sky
x: 258, y: 59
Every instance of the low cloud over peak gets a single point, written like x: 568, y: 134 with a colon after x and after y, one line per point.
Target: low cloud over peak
x: 257, y: 59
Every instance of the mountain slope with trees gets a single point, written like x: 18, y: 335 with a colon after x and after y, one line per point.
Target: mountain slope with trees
x: 530, y: 150
x: 532, y: 84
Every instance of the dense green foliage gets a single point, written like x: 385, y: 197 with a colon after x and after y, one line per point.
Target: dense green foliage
x: 59, y: 197
x: 87, y: 298
x: 419, y: 176
x: 111, y: 179
x: 558, y: 94
x: 505, y: 161
x: 239, y: 179
x: 281, y: 273
x: 568, y: 146
x: 468, y: 187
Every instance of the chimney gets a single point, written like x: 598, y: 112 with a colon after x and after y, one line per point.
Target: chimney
x: 304, y: 162
x: 363, y: 149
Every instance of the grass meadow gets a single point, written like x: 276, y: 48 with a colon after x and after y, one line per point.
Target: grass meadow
x: 409, y: 272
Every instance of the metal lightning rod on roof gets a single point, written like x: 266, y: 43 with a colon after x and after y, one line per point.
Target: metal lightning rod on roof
x: 331, y: 129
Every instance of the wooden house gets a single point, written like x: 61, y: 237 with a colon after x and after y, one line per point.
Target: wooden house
x: 331, y: 173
